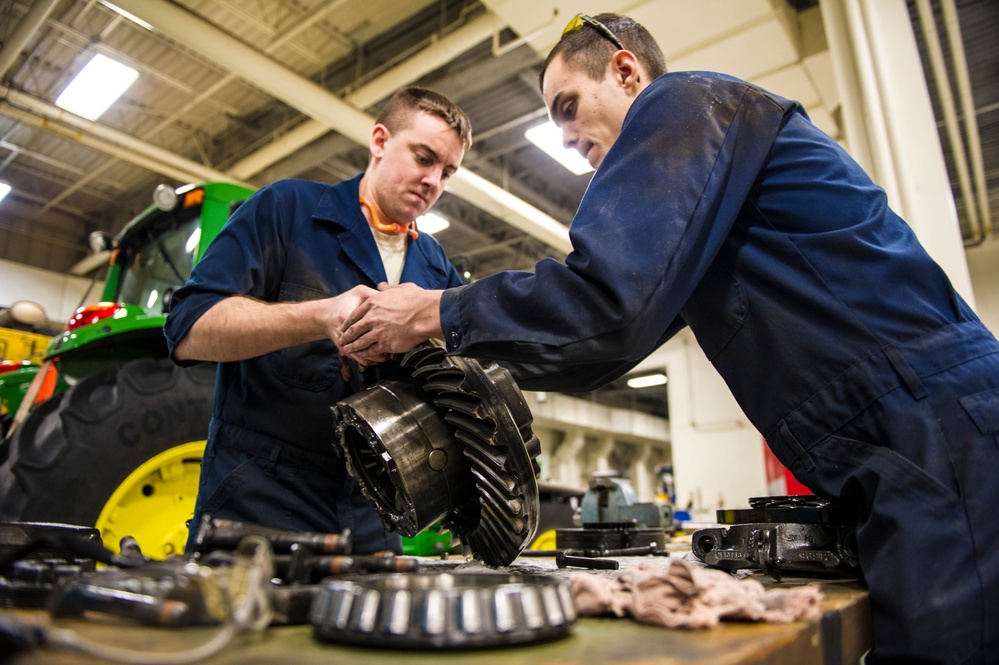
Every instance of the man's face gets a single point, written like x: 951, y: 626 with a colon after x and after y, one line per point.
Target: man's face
x: 590, y: 113
x: 412, y: 166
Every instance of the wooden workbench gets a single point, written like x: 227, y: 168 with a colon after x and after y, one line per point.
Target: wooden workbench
x: 840, y: 636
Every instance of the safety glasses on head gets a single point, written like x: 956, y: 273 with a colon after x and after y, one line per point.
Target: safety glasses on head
x: 580, y: 20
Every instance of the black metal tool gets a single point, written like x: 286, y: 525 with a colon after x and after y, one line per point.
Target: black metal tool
x: 220, y: 534
x: 302, y: 566
x: 164, y: 593
x: 782, y: 534
x: 80, y: 599
x: 563, y: 560
x: 35, y: 557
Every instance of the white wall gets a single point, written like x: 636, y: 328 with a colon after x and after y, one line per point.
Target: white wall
x: 983, y: 263
x: 58, y: 294
x: 717, y: 453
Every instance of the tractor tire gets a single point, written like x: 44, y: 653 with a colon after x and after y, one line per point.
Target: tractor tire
x: 75, y: 451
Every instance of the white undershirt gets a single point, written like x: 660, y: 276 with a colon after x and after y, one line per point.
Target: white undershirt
x: 392, y: 247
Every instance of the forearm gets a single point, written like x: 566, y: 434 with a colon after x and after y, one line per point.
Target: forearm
x: 238, y: 328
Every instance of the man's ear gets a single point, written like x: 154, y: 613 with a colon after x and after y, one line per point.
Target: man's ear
x: 627, y: 71
x: 379, y: 135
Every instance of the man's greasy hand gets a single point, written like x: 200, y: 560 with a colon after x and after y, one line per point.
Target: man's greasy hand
x: 394, y: 320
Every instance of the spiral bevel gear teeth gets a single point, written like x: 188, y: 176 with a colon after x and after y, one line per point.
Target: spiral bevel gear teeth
x: 500, y: 447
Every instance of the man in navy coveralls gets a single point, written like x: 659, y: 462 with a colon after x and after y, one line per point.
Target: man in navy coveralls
x: 267, y: 300
x: 719, y: 206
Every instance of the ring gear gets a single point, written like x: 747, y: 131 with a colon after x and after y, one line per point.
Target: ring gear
x: 453, y: 442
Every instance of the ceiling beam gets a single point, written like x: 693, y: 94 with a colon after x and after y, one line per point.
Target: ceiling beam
x: 40, y: 113
x: 328, y: 109
x: 25, y: 30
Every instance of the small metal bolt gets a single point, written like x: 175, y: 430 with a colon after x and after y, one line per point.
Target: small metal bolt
x: 437, y: 459
x: 563, y: 560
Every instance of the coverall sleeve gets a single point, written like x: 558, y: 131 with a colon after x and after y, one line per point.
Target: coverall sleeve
x: 247, y: 258
x: 651, y: 222
x: 538, y: 376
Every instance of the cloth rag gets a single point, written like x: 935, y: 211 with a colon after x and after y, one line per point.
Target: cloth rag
x: 680, y: 595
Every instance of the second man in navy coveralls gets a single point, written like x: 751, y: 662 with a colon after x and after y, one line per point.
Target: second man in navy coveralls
x: 719, y: 205
x: 267, y: 300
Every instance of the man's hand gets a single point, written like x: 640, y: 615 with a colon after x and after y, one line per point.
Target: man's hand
x: 340, y: 307
x: 392, y: 321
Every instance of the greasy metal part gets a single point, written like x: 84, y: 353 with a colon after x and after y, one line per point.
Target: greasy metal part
x: 613, y: 537
x: 401, y: 452
x: 171, y: 593
x: 775, y: 549
x: 302, y: 567
x: 652, y: 549
x: 292, y: 603
x: 41, y: 540
x: 441, y: 611
x: 452, y: 444
x: 220, y: 534
x: 801, y: 534
x: 35, y: 557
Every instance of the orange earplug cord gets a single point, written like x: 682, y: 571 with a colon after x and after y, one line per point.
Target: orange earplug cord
x: 393, y: 227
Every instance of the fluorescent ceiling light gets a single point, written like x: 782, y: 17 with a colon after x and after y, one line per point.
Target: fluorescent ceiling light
x: 647, y: 381
x: 431, y: 223
x: 96, y: 87
x: 4, y: 190
x: 548, y: 137
x: 131, y: 17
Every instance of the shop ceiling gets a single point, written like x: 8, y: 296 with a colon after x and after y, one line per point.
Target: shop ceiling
x: 256, y: 90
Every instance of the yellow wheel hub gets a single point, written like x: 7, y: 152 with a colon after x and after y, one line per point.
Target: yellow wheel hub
x: 154, y: 503
x: 544, y: 541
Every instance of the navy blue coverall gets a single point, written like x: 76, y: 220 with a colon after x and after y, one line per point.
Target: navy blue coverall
x: 721, y: 207
x: 270, y: 458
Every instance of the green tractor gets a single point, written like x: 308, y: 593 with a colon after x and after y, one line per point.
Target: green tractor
x: 106, y: 430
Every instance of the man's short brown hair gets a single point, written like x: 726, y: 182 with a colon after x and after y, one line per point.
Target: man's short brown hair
x: 398, y: 112
x: 589, y: 50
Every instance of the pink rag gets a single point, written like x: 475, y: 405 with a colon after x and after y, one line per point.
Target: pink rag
x: 683, y: 596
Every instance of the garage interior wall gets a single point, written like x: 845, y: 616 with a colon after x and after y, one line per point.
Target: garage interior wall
x: 983, y: 264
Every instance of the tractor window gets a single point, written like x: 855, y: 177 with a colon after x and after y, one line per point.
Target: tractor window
x: 159, y: 261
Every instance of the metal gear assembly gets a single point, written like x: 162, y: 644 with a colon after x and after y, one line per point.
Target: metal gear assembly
x: 778, y: 534
x: 453, y: 442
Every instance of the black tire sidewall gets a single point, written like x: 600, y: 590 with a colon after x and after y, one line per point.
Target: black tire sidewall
x: 70, y: 456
